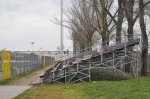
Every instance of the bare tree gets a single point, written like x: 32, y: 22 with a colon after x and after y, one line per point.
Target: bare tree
x: 78, y: 39
x: 104, y: 24
x: 131, y: 16
x: 144, y: 37
x: 129, y: 7
x: 81, y: 17
x: 119, y: 21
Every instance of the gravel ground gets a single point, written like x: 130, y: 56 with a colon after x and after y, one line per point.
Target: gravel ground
x: 9, y: 92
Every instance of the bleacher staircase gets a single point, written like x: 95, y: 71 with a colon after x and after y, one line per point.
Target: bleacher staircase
x: 78, y: 67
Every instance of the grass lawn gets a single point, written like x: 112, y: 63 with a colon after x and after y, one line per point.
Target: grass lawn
x: 4, y: 82
x: 137, y: 88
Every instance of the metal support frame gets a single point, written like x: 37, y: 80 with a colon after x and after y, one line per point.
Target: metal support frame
x: 81, y: 71
x: 89, y: 71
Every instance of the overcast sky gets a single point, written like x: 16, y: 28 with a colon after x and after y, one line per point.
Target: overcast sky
x: 26, y: 21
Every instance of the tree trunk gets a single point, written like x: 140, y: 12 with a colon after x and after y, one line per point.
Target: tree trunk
x: 104, y: 40
x: 145, y: 39
x: 104, y: 27
x: 119, y: 22
x: 130, y: 30
x: 130, y: 37
x: 128, y: 6
x: 89, y: 43
x: 74, y: 46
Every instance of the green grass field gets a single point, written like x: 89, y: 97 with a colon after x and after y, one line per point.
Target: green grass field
x: 137, y: 88
x: 4, y: 82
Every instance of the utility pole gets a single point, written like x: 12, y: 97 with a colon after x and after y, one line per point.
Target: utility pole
x: 32, y: 44
x: 61, y: 31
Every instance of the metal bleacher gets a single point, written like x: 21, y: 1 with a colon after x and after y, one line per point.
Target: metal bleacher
x: 78, y: 67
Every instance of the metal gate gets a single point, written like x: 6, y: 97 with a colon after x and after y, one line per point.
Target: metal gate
x: 6, y: 65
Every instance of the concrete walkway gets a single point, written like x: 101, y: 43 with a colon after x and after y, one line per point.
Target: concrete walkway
x: 18, y: 86
x: 9, y: 92
x: 28, y: 79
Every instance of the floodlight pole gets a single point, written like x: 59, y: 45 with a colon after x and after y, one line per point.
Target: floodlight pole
x: 61, y: 32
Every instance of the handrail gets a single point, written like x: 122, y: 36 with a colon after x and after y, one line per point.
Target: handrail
x: 87, y: 49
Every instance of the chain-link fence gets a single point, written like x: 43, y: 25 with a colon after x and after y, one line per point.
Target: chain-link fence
x: 25, y: 61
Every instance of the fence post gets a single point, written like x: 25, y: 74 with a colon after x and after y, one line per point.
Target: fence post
x: 44, y: 62
x: 89, y: 71
x: 6, y: 65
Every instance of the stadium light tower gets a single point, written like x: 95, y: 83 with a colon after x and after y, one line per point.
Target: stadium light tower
x: 61, y: 31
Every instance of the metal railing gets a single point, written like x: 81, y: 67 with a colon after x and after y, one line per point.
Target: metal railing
x: 98, y: 46
x: 80, y: 69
